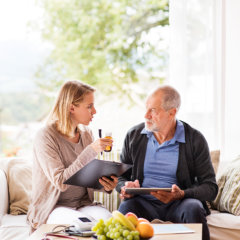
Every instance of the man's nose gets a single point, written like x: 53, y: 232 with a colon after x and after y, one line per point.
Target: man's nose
x: 147, y: 115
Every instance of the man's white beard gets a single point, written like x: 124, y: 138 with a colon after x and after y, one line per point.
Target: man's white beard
x: 153, y: 128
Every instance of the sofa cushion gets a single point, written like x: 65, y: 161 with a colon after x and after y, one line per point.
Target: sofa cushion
x: 223, y: 220
x: 215, y: 156
x: 9, y: 220
x: 3, y: 194
x: 14, y: 233
x: 19, y: 178
x: 228, y: 198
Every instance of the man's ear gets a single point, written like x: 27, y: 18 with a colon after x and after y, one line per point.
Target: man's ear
x: 172, y: 112
x: 72, y: 108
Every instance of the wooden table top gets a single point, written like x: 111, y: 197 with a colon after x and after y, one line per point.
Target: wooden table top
x: 197, y: 235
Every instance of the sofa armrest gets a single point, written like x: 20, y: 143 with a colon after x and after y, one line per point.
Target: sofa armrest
x: 4, y: 202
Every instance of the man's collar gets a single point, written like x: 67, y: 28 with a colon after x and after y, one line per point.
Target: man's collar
x: 179, y: 135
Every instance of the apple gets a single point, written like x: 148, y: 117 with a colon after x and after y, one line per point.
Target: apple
x: 132, y: 217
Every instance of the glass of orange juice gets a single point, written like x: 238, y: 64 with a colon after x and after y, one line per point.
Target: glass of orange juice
x: 108, y: 148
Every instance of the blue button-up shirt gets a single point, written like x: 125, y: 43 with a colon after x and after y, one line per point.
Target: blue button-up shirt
x: 161, y: 160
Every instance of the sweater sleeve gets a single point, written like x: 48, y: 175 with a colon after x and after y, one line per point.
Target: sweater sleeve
x: 205, y: 187
x: 49, y: 156
x: 125, y: 157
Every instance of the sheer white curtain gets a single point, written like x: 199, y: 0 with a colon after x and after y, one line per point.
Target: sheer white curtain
x: 196, y: 65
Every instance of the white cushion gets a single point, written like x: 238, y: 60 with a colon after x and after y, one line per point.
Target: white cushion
x: 14, y: 233
x: 14, y: 227
x: 3, y: 195
x: 223, y: 220
x: 14, y: 220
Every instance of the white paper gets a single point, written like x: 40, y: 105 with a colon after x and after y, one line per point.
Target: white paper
x: 171, y: 229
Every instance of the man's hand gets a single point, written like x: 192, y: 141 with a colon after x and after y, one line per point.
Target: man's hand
x: 108, y: 184
x: 129, y: 184
x: 166, y: 197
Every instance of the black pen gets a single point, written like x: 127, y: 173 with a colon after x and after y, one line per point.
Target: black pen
x: 100, y: 135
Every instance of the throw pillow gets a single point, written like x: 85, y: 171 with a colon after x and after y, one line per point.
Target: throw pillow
x: 228, y: 198
x: 215, y: 155
x: 19, y: 177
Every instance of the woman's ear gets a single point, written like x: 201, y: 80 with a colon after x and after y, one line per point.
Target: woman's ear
x: 72, y: 108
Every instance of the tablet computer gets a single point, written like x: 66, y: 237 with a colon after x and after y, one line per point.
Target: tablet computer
x: 89, y: 175
x: 136, y: 191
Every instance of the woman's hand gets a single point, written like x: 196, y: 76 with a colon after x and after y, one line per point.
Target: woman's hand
x: 100, y: 144
x: 109, y: 184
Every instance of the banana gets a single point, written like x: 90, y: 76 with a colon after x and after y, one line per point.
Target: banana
x: 123, y: 220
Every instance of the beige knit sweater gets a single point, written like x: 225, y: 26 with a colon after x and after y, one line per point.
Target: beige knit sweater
x: 54, y: 160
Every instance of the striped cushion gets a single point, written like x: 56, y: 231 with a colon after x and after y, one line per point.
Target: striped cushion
x: 109, y: 201
x: 228, y: 198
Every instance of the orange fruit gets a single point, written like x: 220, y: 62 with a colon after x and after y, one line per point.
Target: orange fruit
x: 145, y: 230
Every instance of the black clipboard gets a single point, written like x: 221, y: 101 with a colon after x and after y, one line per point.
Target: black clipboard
x: 89, y: 175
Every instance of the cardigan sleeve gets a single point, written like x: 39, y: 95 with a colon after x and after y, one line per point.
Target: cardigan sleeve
x: 205, y: 187
x: 125, y: 157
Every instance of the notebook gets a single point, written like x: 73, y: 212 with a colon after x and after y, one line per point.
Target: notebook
x: 171, y: 229
x: 89, y: 175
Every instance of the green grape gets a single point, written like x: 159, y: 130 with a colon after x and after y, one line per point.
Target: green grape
x: 111, y: 226
x: 125, y: 233
x: 136, y: 237
x: 130, y: 237
x: 115, y: 230
x: 94, y: 228
x: 108, y: 221
x: 117, y: 235
x: 112, y: 235
x: 99, y: 231
x: 118, y: 224
x: 135, y: 233
x: 114, y: 221
x: 98, y: 225
x: 102, y: 237
x: 101, y: 221
x: 120, y: 238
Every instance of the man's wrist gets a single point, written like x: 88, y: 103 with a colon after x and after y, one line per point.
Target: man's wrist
x: 182, y: 193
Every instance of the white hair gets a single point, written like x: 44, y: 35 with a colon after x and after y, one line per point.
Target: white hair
x: 171, y: 97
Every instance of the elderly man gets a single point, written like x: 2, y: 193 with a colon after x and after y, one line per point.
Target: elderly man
x: 167, y: 153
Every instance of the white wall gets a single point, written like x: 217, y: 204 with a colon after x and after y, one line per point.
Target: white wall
x: 232, y: 77
x: 204, y: 67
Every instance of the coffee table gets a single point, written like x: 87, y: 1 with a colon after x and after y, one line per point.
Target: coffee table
x: 197, y: 235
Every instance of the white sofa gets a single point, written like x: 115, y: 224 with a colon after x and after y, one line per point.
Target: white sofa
x: 223, y: 226
x: 12, y: 227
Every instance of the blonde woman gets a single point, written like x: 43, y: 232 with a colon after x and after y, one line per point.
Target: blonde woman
x: 61, y: 148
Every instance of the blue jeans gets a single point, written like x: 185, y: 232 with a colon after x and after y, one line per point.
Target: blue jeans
x: 187, y: 210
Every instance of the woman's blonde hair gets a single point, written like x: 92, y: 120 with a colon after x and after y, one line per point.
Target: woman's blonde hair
x: 72, y: 92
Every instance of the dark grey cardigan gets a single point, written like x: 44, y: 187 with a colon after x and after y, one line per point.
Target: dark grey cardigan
x: 195, y: 173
